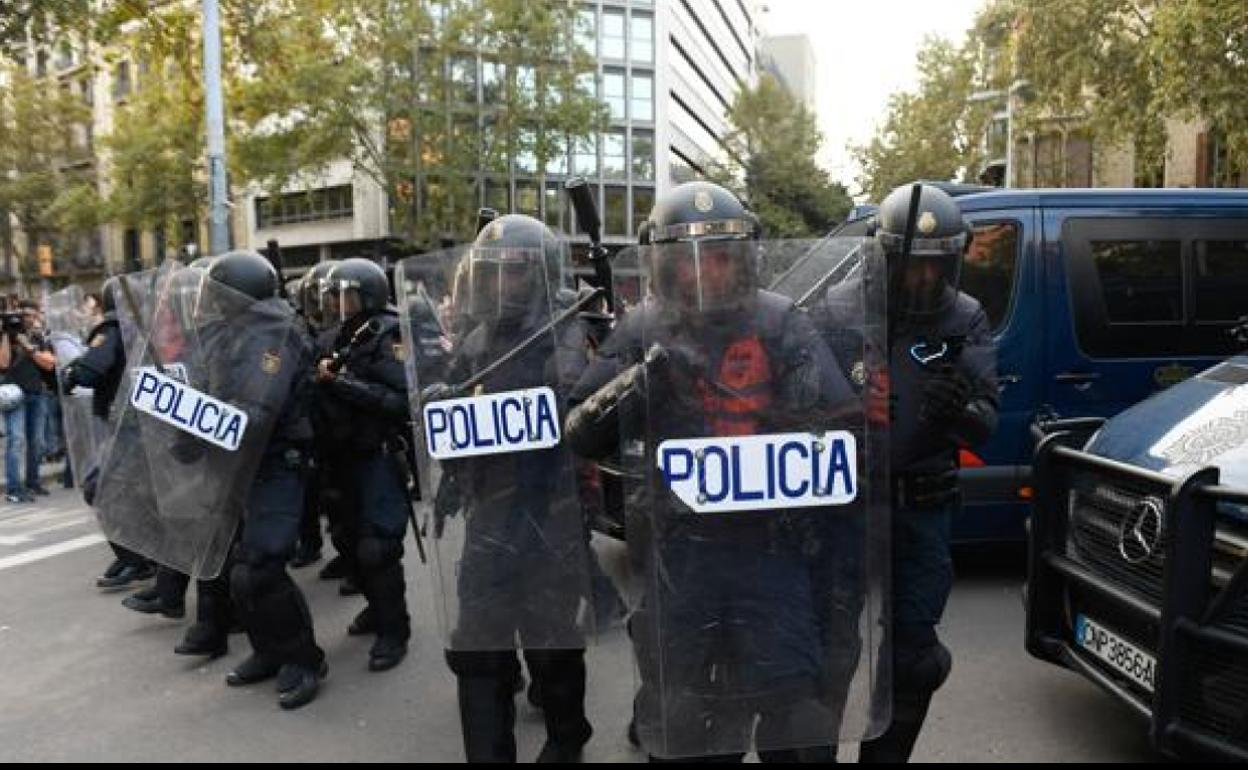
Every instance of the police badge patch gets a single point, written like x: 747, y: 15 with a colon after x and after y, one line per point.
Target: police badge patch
x: 859, y: 374
x: 927, y: 222
x: 703, y: 202
x: 271, y: 362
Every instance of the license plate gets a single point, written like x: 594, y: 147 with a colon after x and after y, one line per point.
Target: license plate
x: 1121, y: 655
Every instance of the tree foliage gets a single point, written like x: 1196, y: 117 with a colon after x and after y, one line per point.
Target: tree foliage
x: 42, y: 156
x: 392, y: 85
x: 771, y: 165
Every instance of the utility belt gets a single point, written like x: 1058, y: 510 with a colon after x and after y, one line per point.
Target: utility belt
x: 925, y: 490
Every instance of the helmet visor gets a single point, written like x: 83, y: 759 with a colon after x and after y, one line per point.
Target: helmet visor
x: 501, y: 284
x: 702, y: 276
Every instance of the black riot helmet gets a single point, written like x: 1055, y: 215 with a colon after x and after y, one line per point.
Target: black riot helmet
x: 703, y: 252
x: 511, y: 273
x: 941, y: 234
x: 245, y: 272
x: 355, y: 287
x: 310, y: 290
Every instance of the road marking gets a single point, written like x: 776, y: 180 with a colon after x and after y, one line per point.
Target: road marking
x: 49, y: 551
x: 10, y: 541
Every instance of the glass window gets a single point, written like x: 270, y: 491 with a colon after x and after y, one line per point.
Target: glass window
x: 557, y: 158
x: 613, y: 158
x: 1141, y: 281
x: 612, y: 34
x: 643, y: 97
x: 526, y: 159
x: 585, y: 160
x: 587, y: 31
x: 641, y: 37
x: 587, y: 84
x: 526, y: 82
x: 643, y: 202
x: 988, y: 269
x: 526, y: 198
x: 493, y: 147
x: 463, y: 86
x: 643, y: 156
x: 616, y: 220
x: 1221, y: 280
x: 493, y: 82
x: 498, y: 195
x: 553, y: 206
x: 121, y: 82
x: 613, y: 92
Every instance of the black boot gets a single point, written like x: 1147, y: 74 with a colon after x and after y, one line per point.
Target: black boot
x: 298, y: 685
x: 204, y: 639
x: 560, y: 676
x: 150, y: 602
x: 251, y: 671
x: 386, y: 653
x: 129, y: 573
x: 363, y: 624
x: 305, y: 554
x: 487, y: 715
x: 897, y: 742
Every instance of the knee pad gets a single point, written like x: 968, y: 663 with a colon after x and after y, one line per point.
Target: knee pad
x: 923, y: 670
x: 495, y: 664
x: 252, y: 579
x: 378, y: 553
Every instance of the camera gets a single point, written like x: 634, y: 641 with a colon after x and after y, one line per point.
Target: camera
x: 11, y: 322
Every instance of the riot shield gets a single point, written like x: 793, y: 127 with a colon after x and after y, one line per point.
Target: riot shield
x: 510, y: 546
x: 68, y: 328
x: 758, y: 532
x: 208, y: 378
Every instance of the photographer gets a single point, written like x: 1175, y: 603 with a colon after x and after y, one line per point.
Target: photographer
x: 24, y: 357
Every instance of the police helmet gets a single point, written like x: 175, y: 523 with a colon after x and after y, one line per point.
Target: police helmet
x: 703, y: 255
x: 108, y: 294
x: 310, y: 289
x: 353, y: 287
x: 245, y: 272
x: 512, y: 271
x: 940, y: 238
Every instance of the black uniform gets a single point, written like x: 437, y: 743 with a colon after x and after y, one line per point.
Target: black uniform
x: 365, y: 413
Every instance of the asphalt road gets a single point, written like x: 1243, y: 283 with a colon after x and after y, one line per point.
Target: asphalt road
x: 84, y: 679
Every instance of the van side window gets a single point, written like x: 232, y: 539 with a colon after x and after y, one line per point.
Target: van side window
x: 988, y: 269
x: 1141, y: 281
x: 1220, y: 276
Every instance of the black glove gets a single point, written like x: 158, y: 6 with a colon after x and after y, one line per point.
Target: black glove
x: 945, y: 395
x: 438, y: 391
x: 446, y: 501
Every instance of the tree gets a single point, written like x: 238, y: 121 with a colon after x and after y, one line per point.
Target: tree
x: 1123, y: 66
x: 938, y: 132
x: 771, y: 165
x: 157, y: 172
x: 43, y: 154
x: 392, y: 85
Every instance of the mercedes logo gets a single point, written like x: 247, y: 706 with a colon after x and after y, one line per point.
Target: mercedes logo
x: 1139, y: 536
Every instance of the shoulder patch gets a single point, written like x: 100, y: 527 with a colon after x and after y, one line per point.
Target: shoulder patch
x: 271, y: 362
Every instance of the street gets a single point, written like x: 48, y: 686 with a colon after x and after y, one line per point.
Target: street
x: 87, y: 680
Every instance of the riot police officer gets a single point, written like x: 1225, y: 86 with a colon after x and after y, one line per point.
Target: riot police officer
x: 524, y: 569
x: 254, y: 345
x: 942, y: 393
x: 100, y: 368
x: 362, y: 394
x: 727, y: 637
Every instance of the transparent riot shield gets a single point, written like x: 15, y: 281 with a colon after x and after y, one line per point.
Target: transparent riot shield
x: 203, y: 391
x: 499, y: 490
x: 69, y: 328
x: 758, y: 534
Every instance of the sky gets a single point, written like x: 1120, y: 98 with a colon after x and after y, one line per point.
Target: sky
x: 864, y: 51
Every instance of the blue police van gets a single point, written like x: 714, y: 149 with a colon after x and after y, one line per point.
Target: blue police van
x: 1098, y: 298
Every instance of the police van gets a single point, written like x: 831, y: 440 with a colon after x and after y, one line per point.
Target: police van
x: 1098, y: 299
x: 1138, y: 563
